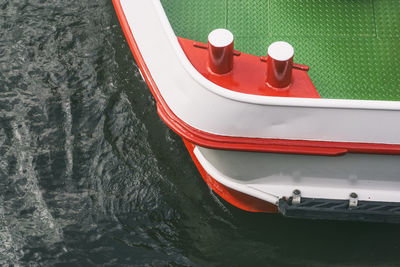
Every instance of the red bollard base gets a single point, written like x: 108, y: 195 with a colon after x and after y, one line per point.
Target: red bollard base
x: 248, y: 75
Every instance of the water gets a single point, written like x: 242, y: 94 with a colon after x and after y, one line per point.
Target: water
x: 89, y: 175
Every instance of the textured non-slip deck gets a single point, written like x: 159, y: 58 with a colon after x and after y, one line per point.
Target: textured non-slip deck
x: 352, y: 46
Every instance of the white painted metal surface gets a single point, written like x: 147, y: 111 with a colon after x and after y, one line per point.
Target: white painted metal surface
x: 213, y: 109
x: 281, y: 51
x: 220, y: 37
x: 271, y: 176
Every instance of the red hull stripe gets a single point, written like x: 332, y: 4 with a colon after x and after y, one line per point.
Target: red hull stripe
x: 209, y: 140
x: 236, y: 198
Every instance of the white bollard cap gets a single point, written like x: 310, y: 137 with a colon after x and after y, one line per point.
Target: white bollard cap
x: 281, y: 51
x: 220, y: 38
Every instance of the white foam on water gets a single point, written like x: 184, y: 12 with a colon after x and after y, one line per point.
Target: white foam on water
x: 40, y: 218
x: 9, y: 254
x: 69, y: 139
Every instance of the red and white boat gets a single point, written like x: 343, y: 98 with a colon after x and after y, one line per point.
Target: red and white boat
x: 257, y: 128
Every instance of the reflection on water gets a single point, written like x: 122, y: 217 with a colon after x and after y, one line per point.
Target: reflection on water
x: 90, y: 175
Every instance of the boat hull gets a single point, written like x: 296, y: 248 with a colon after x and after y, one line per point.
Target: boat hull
x: 240, y: 118
x: 266, y: 182
x: 238, y: 199
x: 310, y: 145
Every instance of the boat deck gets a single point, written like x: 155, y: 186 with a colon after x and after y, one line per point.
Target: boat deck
x: 352, y: 47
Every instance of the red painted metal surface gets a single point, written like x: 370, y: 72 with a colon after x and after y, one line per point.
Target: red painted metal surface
x: 242, y: 143
x: 280, y: 66
x: 238, y: 199
x: 220, y: 58
x: 248, y: 74
x: 279, y: 73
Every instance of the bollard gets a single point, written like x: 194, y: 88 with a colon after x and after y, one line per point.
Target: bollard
x: 220, y: 51
x: 279, y: 65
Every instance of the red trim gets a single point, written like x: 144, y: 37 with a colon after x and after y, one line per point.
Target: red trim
x: 236, y: 198
x: 241, y: 143
x: 136, y: 52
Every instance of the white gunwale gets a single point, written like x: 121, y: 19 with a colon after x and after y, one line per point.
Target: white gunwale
x: 266, y: 100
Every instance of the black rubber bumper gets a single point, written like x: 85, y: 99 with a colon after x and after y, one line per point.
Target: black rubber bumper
x: 328, y: 209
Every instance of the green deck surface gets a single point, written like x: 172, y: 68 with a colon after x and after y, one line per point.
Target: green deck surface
x: 352, y: 46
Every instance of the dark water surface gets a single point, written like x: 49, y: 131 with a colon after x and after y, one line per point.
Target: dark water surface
x: 89, y: 175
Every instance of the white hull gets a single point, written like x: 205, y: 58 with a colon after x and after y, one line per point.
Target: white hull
x: 270, y: 176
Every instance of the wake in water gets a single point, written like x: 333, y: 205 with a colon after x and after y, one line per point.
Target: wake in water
x: 24, y: 214
x: 76, y: 169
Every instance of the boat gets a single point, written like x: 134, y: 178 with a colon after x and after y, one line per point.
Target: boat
x: 289, y: 107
